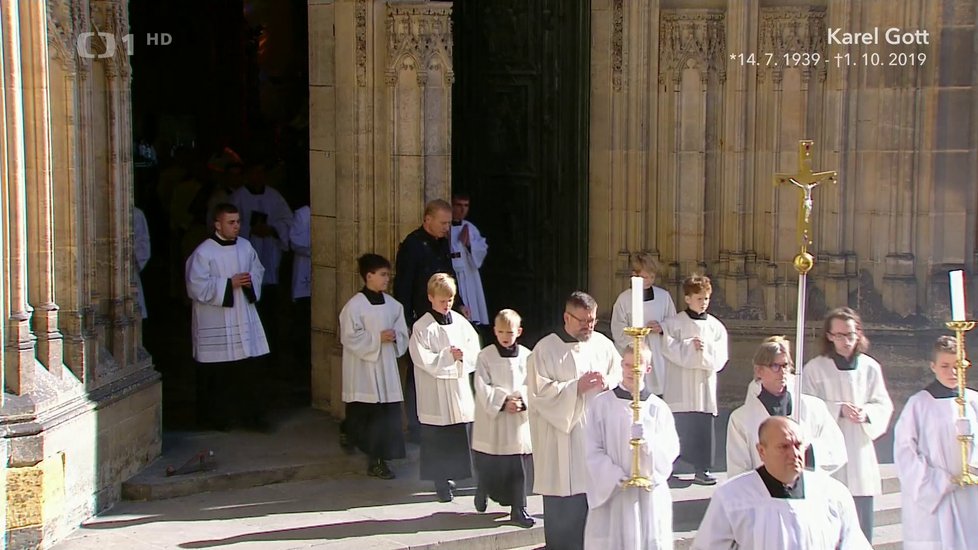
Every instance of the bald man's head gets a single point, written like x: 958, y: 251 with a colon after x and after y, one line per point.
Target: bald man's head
x: 780, y: 446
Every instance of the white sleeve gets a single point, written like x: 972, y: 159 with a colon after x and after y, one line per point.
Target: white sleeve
x: 556, y: 402
x: 829, y: 445
x: 604, y: 476
x: 619, y: 320
x: 355, y: 337
x: 201, y: 285
x: 478, y: 246
x: 487, y: 395
x: 300, y: 238
x: 878, y: 406
x: 920, y: 480
x: 439, y: 363
x: 739, y: 457
x: 716, y: 531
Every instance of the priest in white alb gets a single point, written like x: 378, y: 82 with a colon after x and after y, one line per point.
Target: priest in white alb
x: 657, y: 305
x: 565, y: 371
x: 469, y: 250
x: 780, y: 505
x: 851, y: 384
x: 629, y: 518
x: 937, y: 513
x: 770, y: 395
x: 224, y: 280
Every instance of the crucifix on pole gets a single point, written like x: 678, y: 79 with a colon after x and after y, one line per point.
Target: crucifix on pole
x: 806, y: 181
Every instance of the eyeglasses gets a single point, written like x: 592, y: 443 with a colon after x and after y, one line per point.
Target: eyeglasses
x: 588, y: 321
x: 847, y: 336
x: 778, y: 366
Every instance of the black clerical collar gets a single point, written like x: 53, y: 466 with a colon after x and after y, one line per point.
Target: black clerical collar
x: 780, y: 490
x: 217, y: 238
x: 566, y: 337
x: 940, y: 391
x: 456, y: 223
x: 441, y: 319
x: 776, y: 405
x: 648, y: 295
x: 622, y: 393
x: 375, y: 298
x: 698, y: 316
x: 511, y: 351
x: 842, y: 363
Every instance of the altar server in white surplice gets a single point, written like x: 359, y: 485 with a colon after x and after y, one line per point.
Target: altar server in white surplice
x: 629, y: 518
x: 565, y: 371
x: 780, y: 505
x: 469, y: 249
x: 141, y: 252
x: 938, y: 514
x: 374, y: 334
x: 695, y: 348
x: 657, y: 305
x: 852, y: 386
x: 501, y: 447
x: 224, y: 281
x: 444, y: 348
x: 770, y: 395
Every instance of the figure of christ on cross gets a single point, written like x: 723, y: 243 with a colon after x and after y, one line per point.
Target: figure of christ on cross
x: 807, y: 181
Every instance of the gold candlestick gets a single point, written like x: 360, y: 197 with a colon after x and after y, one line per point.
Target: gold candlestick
x: 637, y: 479
x: 959, y: 328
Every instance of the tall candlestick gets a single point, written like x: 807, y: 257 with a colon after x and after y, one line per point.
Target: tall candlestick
x: 958, y: 309
x: 638, y: 311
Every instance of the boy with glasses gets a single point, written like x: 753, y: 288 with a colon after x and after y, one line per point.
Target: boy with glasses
x: 770, y: 395
x: 852, y: 386
x: 695, y: 348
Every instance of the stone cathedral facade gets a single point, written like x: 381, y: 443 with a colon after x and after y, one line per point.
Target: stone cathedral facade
x: 680, y: 146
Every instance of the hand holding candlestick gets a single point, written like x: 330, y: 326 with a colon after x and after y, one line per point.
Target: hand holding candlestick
x: 638, y: 435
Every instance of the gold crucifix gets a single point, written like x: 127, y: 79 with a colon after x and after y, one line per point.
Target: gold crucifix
x: 806, y: 181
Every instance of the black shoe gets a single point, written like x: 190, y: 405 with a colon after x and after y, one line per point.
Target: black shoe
x: 704, y: 478
x: 445, y: 490
x: 480, y: 500
x: 379, y: 468
x: 346, y: 444
x: 519, y: 517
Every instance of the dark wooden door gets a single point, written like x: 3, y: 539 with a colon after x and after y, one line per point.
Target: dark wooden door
x: 520, y: 148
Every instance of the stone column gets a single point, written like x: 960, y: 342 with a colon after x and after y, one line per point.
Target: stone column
x: 39, y: 182
x: 20, y: 346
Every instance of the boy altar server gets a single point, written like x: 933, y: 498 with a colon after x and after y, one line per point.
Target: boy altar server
x: 629, y: 518
x: 565, y: 371
x: 444, y: 348
x: 937, y: 512
x: 695, y: 347
x: 657, y: 305
x: 851, y: 384
x: 770, y: 395
x: 374, y: 335
x: 781, y: 505
x: 501, y: 431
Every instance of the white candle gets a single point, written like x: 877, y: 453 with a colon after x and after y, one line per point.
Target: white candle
x: 638, y: 310
x: 958, y: 309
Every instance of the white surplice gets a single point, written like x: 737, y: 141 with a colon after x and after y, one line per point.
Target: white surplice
x: 660, y: 307
x: 370, y: 372
x: 142, y: 252
x: 495, y: 431
x: 691, y: 374
x: 224, y: 333
x: 743, y: 515
x: 937, y: 513
x: 300, y: 239
x: 818, y: 427
x: 629, y: 518
x: 467, y: 266
x: 863, y: 387
x: 279, y: 216
x: 444, y: 395
x: 558, y: 413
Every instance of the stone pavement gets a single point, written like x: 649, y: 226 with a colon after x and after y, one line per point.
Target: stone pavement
x: 296, y: 489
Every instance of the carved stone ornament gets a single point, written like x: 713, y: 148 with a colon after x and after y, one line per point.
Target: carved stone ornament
x: 692, y: 38
x: 617, y: 45
x: 360, y: 14
x: 423, y: 32
x: 111, y: 16
x: 66, y: 18
x: 790, y: 30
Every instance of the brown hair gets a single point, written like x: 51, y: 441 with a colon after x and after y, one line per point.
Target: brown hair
x: 946, y: 344
x: 695, y: 284
x: 436, y: 205
x: 843, y: 314
x: 581, y: 300
x: 643, y: 261
x: 769, y: 349
x: 441, y: 284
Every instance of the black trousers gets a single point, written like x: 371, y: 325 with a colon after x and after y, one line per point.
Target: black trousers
x: 410, y: 399
x: 864, y: 511
x: 697, y: 438
x: 375, y: 429
x: 563, y: 521
x: 228, y: 393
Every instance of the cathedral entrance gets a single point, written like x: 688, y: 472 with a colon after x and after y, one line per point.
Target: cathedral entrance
x: 520, y: 148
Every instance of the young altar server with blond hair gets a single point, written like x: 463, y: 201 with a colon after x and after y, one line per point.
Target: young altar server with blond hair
x: 629, y: 518
x: 937, y: 512
x: 770, y: 395
x: 444, y: 348
x: 852, y: 386
x: 501, y: 432
x: 657, y: 305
